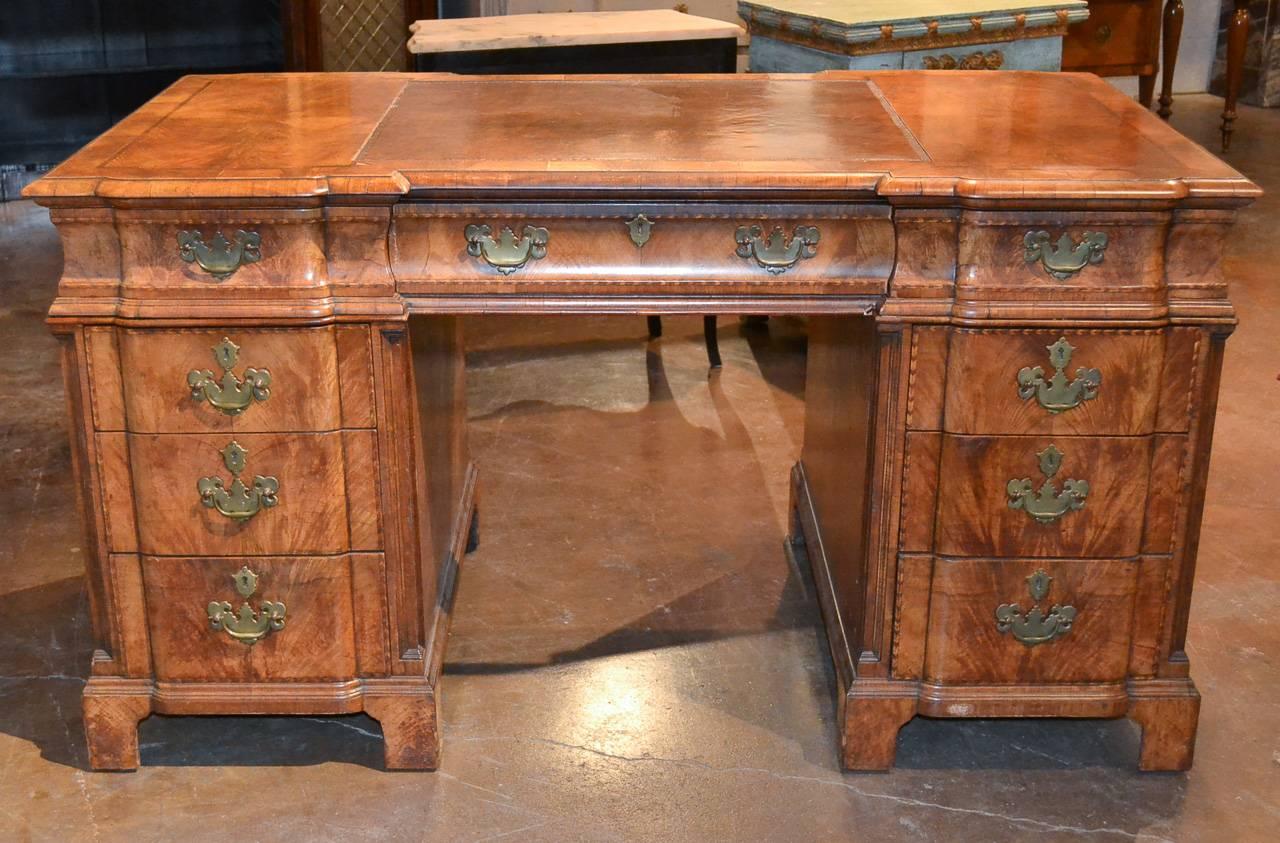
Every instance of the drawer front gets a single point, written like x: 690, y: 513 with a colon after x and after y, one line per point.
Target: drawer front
x: 231, y: 380
x: 1023, y: 496
x: 276, y: 253
x: 796, y: 251
x: 1030, y: 621
x: 1116, y: 33
x: 1067, y: 257
x: 292, y: 497
x: 299, y: 622
x: 1053, y: 382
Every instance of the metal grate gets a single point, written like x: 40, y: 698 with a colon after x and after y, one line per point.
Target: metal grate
x: 363, y: 35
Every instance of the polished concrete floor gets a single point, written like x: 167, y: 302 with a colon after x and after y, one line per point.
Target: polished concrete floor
x: 633, y: 655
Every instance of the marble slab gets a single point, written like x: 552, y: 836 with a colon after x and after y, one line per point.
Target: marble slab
x: 563, y: 30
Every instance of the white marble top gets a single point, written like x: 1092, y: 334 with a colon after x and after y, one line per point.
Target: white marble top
x: 879, y: 12
x: 562, y: 30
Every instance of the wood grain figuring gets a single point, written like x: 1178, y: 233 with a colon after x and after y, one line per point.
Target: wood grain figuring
x: 124, y: 570
x: 911, y: 614
x: 919, y: 490
x: 965, y: 646
x: 311, y: 516
x: 922, y: 305
x: 893, y: 134
x: 305, y: 394
x: 316, y: 643
x: 993, y: 264
x: 982, y: 382
x: 292, y: 264
x: 974, y: 517
x: 106, y: 380
x: 1164, y: 493
x: 1149, y: 609
x: 112, y: 453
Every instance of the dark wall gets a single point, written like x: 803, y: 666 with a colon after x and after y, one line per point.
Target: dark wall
x: 69, y: 69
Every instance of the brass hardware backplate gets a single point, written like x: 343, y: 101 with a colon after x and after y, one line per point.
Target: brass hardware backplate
x: 229, y: 394
x: 1056, y: 394
x: 1047, y: 504
x: 1066, y: 257
x: 220, y: 257
x: 507, y: 253
x: 775, y: 252
x: 239, y: 503
x: 1034, y: 626
x: 639, y: 227
x: 246, y: 625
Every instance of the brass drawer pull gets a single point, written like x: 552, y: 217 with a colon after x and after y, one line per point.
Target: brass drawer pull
x: 220, y: 257
x: 1057, y: 394
x: 1034, y: 626
x: 229, y: 394
x: 1047, y: 504
x: 1066, y: 257
x: 239, y: 503
x: 246, y: 625
x: 776, y: 253
x: 507, y: 253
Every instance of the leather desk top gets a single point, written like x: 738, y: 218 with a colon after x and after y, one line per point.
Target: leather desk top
x: 912, y: 137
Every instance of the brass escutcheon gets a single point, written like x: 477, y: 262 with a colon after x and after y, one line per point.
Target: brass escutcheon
x: 229, y: 394
x: 507, y: 253
x: 246, y: 625
x: 239, y: 503
x: 1047, y: 504
x: 1056, y: 394
x: 640, y: 227
x: 220, y: 257
x: 1066, y: 257
x: 1034, y: 626
x: 776, y: 253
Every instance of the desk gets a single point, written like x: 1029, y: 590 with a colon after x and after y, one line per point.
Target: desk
x: 1018, y: 315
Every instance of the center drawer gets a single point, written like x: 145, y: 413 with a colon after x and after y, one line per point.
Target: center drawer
x: 650, y: 248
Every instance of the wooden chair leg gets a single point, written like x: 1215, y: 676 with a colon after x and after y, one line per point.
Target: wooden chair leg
x: 1173, y: 15
x: 1146, y: 90
x: 655, y: 327
x: 1237, y: 40
x: 713, y: 341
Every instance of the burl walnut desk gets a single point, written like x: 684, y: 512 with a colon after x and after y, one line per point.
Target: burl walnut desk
x: 1017, y: 319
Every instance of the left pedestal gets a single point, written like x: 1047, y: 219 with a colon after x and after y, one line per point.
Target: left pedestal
x: 269, y: 530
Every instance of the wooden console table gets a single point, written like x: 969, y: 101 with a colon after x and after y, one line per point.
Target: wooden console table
x: 1018, y: 319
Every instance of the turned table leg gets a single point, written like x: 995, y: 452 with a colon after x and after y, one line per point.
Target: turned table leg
x: 1237, y: 41
x: 111, y: 726
x: 410, y: 735
x: 1173, y: 15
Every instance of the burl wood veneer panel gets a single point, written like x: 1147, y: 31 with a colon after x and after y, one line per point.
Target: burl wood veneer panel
x: 982, y: 382
x: 317, y: 641
x: 310, y: 517
x: 965, y: 644
x: 303, y: 366
x: 975, y: 519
